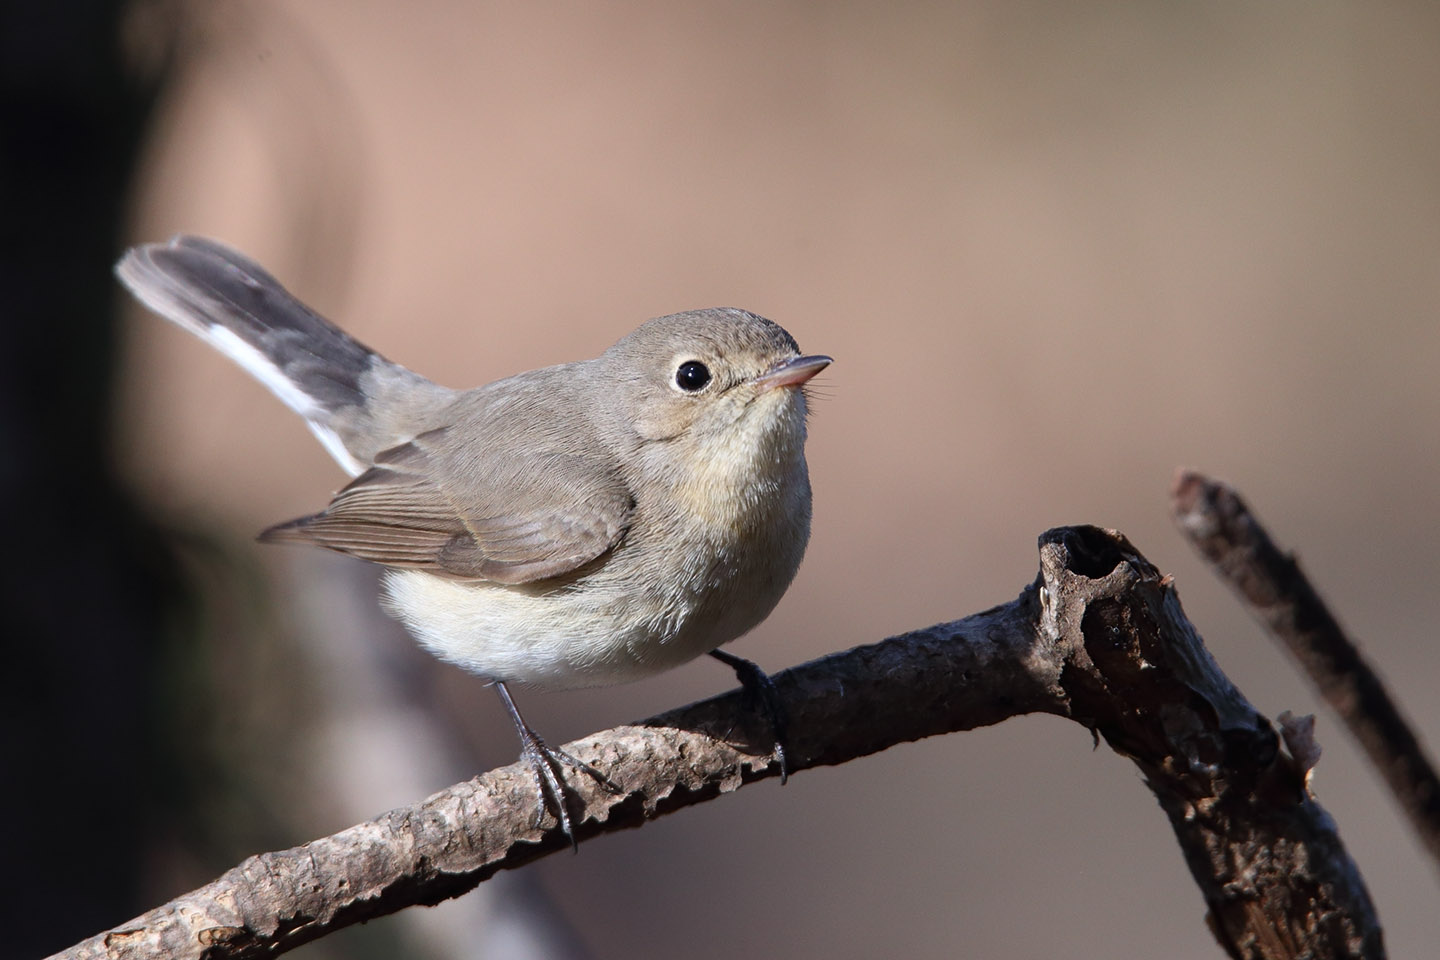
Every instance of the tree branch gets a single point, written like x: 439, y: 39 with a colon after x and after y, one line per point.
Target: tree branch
x: 1099, y: 637
x: 1276, y: 591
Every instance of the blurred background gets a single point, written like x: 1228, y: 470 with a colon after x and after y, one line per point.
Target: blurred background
x: 1057, y: 251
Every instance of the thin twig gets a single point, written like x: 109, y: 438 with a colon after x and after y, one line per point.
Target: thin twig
x: 1099, y: 637
x: 1220, y: 525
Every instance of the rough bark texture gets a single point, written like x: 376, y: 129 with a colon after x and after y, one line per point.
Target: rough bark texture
x: 1276, y: 591
x: 1099, y: 637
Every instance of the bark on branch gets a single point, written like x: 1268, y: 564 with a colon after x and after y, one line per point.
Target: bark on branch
x: 1099, y: 637
x: 1270, y: 583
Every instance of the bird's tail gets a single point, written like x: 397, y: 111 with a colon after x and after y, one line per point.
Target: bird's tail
x: 355, y: 401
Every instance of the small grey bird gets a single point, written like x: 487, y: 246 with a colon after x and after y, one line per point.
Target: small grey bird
x: 583, y: 524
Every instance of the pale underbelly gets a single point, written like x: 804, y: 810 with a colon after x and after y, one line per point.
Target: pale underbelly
x: 557, y: 638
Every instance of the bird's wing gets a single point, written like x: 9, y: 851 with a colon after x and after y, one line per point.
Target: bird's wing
x: 538, y: 515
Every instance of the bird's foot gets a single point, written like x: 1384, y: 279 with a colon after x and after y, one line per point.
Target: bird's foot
x: 762, y: 691
x: 547, y: 768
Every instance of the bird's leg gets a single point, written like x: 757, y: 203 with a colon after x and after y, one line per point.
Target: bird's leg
x: 761, y: 690
x: 545, y: 762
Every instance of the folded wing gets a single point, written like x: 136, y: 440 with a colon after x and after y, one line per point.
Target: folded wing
x: 549, y: 514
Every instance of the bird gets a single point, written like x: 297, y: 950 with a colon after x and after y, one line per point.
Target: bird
x: 583, y: 524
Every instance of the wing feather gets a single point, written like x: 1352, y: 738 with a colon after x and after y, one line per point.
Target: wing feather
x: 549, y: 515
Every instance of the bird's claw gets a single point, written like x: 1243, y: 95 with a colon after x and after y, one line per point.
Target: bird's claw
x: 762, y: 691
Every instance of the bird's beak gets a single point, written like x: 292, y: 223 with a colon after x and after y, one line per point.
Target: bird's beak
x: 792, y: 372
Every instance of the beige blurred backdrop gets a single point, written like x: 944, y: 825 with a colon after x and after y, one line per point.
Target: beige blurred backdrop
x: 1057, y: 251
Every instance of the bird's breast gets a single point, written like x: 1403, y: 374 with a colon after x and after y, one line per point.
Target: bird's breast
x: 733, y: 536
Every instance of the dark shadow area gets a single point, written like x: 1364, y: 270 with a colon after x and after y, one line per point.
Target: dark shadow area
x: 87, y: 583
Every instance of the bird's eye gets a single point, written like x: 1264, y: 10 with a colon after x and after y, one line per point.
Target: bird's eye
x: 692, y: 376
